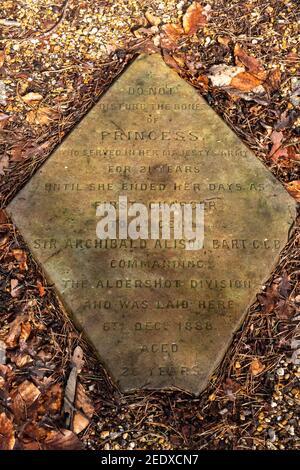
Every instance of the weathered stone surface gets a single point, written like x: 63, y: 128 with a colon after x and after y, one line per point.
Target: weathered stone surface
x: 159, y: 316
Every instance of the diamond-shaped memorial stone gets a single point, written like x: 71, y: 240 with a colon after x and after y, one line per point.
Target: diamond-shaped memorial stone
x: 159, y: 315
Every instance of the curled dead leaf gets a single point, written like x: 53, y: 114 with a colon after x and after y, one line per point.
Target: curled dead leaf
x: 152, y: 19
x: 2, y: 57
x: 253, y: 65
x: 194, y: 17
x: 171, y: 33
x: 256, y: 367
x: 7, y: 433
x: 32, y: 99
x: 294, y: 189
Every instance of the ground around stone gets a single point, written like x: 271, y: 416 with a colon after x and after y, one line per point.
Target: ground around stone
x: 56, y: 58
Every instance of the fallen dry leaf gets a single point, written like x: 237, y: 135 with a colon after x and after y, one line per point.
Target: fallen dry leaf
x: 2, y: 57
x: 194, y: 17
x: 170, y: 61
x: 25, y: 331
x: 171, y: 33
x: 245, y: 81
x: 294, y: 189
x: 12, y: 339
x: 4, y: 163
x: 32, y: 99
x: 36, y: 437
x: 256, y: 367
x: 7, y: 433
x: 51, y: 400
x: 3, y: 217
x: 80, y: 422
x: 19, y: 331
x: 62, y: 440
x: 21, y: 257
x: 152, y: 19
x: 253, y: 65
x: 41, y: 288
x: 84, y: 410
x: 23, y: 398
x: 276, y: 139
x: 269, y: 299
x: 14, y: 288
x: 3, y: 119
x: 21, y: 360
x: 42, y: 116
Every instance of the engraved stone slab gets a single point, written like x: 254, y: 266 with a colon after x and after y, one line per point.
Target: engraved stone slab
x: 158, y: 315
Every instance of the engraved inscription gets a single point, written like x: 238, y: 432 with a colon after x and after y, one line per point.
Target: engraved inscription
x: 159, y: 316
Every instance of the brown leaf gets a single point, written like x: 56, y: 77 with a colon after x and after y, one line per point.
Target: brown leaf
x: 80, y: 422
x: 25, y: 331
x: 171, y: 35
x: 43, y: 116
x: 62, y: 440
x: 269, y: 299
x: 224, y: 40
x: 7, y: 433
x: 35, y: 437
x: 193, y: 18
x: 3, y: 120
x: 274, y: 79
x: 2, y: 57
x: 83, y: 402
x: 26, y: 150
x: 12, y: 339
x: 277, y: 151
x: 21, y: 360
x: 51, y: 400
x: 294, y: 189
x: 285, y: 285
x: 21, y: 257
x: 41, y: 288
x: 152, y: 19
x: 4, y: 163
x: 253, y: 65
x: 256, y: 367
x: 284, y: 310
x: 245, y: 81
x: 230, y: 388
x: 3, y: 217
x: 32, y: 99
x: 23, y: 398
x: 170, y: 61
